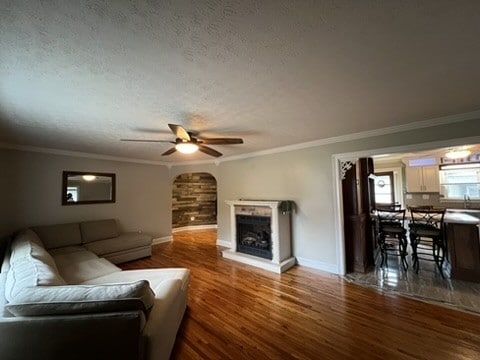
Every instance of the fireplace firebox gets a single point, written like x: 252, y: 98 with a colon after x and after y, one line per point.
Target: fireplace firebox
x: 254, y: 236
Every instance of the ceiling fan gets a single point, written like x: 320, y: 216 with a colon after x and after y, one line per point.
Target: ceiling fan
x: 187, y: 143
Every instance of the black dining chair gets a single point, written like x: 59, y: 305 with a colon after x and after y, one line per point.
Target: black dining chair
x: 392, y: 235
x: 427, y: 237
x: 393, y: 206
x: 420, y: 207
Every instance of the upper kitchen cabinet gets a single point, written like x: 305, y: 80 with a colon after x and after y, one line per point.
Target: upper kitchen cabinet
x: 422, y: 178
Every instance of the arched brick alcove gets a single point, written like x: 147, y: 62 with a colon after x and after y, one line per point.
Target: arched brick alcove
x: 194, y: 200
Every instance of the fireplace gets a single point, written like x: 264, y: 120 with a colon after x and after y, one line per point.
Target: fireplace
x: 254, y: 235
x: 260, y: 235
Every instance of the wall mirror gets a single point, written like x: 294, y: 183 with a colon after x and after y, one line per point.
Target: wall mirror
x: 87, y: 188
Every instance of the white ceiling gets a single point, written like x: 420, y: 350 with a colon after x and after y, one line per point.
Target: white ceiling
x: 80, y: 75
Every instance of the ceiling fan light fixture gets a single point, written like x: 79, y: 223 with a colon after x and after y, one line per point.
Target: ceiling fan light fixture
x: 188, y: 143
x: 186, y: 147
x: 457, y: 154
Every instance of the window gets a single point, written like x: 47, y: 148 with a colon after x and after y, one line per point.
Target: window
x: 459, y: 182
x: 74, y: 191
x: 384, y: 188
x: 422, y: 162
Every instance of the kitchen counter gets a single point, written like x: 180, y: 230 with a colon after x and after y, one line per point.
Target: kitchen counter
x: 461, y: 217
x: 454, y: 216
x: 463, y: 243
x: 464, y: 251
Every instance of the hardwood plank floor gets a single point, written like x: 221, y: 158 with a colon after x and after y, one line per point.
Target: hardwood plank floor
x: 237, y: 311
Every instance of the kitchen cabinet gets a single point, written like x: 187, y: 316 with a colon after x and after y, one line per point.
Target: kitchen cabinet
x: 464, y: 251
x: 422, y: 178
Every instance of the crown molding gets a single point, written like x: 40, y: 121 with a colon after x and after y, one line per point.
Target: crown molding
x: 327, y: 141
x: 445, y: 120
x: 77, y: 154
x: 408, y: 148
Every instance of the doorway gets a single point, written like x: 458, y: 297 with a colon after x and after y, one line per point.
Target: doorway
x: 428, y: 283
x: 342, y: 162
x: 194, y: 201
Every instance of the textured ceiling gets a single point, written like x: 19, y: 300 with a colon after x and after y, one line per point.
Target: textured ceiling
x: 80, y: 75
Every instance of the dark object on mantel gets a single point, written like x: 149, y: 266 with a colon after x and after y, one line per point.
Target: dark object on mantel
x: 287, y: 207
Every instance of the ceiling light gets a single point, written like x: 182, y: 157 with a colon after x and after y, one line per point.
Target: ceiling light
x: 457, y: 154
x: 460, y: 166
x: 186, y: 147
x: 89, y: 177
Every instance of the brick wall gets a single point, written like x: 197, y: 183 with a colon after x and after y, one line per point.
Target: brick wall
x: 194, y: 196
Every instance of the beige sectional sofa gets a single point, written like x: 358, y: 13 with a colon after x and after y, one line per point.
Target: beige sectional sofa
x: 102, y: 237
x: 60, y: 300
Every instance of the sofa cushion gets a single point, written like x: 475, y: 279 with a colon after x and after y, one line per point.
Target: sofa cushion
x: 125, y: 241
x: 64, y: 260
x: 30, y: 265
x: 66, y: 250
x: 98, y: 230
x: 78, y: 299
x: 155, y: 277
x: 55, y: 236
x: 79, y: 266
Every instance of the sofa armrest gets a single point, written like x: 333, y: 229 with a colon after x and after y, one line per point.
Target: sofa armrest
x: 93, y: 336
x: 165, y: 318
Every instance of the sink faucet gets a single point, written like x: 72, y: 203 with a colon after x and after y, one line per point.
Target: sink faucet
x: 466, y: 201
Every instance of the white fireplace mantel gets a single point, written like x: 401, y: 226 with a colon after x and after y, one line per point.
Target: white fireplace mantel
x: 280, y: 235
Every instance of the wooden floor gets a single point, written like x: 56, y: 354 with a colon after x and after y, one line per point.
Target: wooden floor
x: 237, y: 311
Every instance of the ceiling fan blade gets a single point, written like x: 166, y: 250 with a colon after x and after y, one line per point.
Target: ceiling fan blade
x: 209, y: 151
x: 179, y: 132
x: 169, y: 151
x: 150, y: 141
x: 221, y: 141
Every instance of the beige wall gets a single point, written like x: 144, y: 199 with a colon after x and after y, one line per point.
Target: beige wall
x: 30, y: 186
x: 306, y: 177
x: 174, y: 171
x: 303, y: 176
x: 144, y: 192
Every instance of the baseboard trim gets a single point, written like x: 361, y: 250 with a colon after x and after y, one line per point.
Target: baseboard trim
x: 194, y: 228
x: 162, y: 240
x: 224, y: 243
x: 319, y: 265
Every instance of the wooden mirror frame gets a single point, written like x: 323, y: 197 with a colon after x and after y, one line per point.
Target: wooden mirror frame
x: 67, y: 174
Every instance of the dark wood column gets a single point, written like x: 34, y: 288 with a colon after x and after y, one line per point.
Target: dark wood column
x: 357, y: 191
x: 367, y: 196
